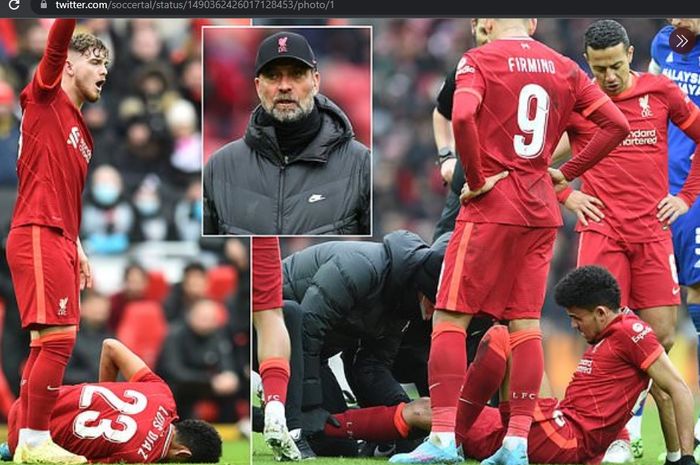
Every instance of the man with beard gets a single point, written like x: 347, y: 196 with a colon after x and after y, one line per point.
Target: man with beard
x: 298, y: 169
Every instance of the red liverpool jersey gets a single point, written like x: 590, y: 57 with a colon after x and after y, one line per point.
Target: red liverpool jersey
x: 527, y: 93
x: 267, y: 273
x: 609, y: 381
x: 633, y: 178
x: 55, y: 145
x: 112, y: 422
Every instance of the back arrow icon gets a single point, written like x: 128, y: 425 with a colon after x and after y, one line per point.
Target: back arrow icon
x: 682, y: 40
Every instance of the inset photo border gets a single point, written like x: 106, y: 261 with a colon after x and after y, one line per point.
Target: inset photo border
x: 287, y: 130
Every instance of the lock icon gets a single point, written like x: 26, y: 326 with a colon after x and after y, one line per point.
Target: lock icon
x: 43, y: 4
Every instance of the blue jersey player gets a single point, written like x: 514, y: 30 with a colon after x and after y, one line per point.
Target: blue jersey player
x: 684, y: 70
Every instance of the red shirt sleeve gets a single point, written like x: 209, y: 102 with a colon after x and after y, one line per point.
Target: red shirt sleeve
x: 267, y: 273
x: 47, y: 79
x: 638, y: 343
x: 596, y: 106
x: 470, y: 87
x: 686, y: 115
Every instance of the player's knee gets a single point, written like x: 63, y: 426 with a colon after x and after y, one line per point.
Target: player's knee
x: 498, y: 339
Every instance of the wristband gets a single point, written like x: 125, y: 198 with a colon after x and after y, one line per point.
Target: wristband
x: 563, y: 195
x: 445, y: 154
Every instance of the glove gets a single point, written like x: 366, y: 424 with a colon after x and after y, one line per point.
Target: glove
x: 314, y: 421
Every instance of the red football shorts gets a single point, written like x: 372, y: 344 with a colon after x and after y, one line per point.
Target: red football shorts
x: 496, y: 269
x: 552, y: 439
x: 46, y: 276
x: 646, y: 271
x: 267, y: 274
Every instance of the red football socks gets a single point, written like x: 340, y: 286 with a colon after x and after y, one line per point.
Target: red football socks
x: 446, y: 372
x: 34, y: 348
x: 376, y: 424
x: 275, y: 377
x: 484, y: 375
x: 46, y: 378
x: 527, y: 368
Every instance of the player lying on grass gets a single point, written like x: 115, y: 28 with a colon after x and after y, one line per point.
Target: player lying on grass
x: 611, y: 377
x: 132, y: 421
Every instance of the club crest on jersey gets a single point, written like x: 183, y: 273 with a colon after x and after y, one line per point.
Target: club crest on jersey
x: 63, y: 306
x: 76, y: 140
x: 282, y: 44
x: 646, y: 109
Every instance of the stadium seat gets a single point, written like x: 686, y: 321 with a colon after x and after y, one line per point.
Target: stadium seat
x: 223, y: 281
x: 143, y: 329
x: 158, y: 287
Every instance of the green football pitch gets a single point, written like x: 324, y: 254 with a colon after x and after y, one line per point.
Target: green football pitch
x: 651, y: 433
x: 235, y: 452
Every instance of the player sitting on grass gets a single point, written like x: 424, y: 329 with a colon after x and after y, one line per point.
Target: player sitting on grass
x: 610, y: 379
x: 132, y: 421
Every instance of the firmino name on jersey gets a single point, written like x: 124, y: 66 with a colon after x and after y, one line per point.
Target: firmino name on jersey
x: 531, y: 65
x: 688, y: 81
x: 640, y: 137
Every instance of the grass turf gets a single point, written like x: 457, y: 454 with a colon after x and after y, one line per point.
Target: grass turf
x: 651, y: 433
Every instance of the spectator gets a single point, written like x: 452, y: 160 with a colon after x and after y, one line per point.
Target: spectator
x: 9, y: 136
x: 107, y: 216
x: 151, y: 221
x: 187, y: 292
x: 197, y: 363
x: 188, y: 213
x: 183, y: 124
x: 84, y: 364
x: 135, y: 285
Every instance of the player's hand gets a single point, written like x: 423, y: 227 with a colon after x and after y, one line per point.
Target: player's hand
x: 85, y: 271
x: 558, y: 179
x: 225, y: 383
x: 585, y: 206
x: 488, y: 185
x: 670, y: 208
x: 447, y: 170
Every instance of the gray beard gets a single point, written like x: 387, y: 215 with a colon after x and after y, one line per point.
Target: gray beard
x: 293, y: 116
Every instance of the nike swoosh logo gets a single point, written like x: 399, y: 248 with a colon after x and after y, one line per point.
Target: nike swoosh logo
x: 676, y: 290
x: 316, y: 198
x: 51, y: 388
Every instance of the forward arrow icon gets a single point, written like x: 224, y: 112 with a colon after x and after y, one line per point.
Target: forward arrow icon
x: 682, y: 41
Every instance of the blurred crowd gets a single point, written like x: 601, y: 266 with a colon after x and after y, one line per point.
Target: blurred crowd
x: 179, y: 301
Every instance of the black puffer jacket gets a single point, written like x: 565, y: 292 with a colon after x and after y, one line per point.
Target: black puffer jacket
x: 364, y: 291
x: 250, y: 187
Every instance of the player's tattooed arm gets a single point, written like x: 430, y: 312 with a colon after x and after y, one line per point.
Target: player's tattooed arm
x: 117, y: 358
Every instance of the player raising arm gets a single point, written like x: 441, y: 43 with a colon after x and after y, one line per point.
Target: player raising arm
x: 46, y: 260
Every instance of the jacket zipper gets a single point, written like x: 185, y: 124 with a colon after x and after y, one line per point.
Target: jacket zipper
x: 280, y: 197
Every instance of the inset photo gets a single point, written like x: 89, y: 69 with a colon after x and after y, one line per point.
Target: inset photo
x: 287, y: 125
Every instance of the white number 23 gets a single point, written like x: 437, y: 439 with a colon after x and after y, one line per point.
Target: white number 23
x: 104, y: 427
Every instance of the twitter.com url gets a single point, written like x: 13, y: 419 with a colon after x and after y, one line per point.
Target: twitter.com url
x: 153, y: 6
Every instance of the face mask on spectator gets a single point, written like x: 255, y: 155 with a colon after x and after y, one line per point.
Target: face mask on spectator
x: 147, y: 207
x: 106, y: 194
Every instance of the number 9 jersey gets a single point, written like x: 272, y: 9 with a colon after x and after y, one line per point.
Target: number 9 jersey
x: 112, y: 422
x: 526, y: 93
